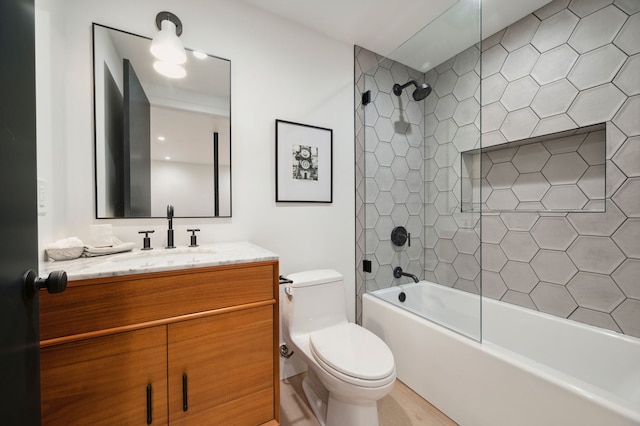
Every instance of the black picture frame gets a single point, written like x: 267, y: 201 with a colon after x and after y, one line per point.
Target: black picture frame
x: 304, y: 163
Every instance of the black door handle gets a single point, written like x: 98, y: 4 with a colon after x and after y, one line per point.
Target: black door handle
x: 56, y: 282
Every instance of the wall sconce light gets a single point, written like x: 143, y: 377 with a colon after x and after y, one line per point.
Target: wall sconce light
x: 167, y: 47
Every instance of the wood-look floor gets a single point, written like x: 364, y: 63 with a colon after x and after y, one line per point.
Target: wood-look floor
x: 402, y: 407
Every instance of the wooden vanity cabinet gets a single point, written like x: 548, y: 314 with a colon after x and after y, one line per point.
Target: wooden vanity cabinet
x: 213, y: 361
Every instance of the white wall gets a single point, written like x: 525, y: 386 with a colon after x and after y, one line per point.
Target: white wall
x: 278, y: 70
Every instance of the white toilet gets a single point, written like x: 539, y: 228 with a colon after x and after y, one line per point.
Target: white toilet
x: 350, y: 368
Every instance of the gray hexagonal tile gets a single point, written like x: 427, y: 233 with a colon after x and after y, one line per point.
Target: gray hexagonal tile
x: 628, y: 6
x: 519, y: 63
x: 400, y: 169
x: 502, y: 155
x: 553, y: 299
x: 595, y: 254
x: 554, y: 64
x: 626, y: 276
x: 415, y: 181
x: 446, y: 227
x: 445, y: 274
x: 384, y: 105
x: 466, y: 86
x: 399, y: 214
x: 466, y: 241
x: 414, y: 203
x: 492, y: 88
x: 518, y: 298
x: 493, y: 258
x: 530, y: 187
x: 400, y: 144
x: 519, y: 93
x: 556, y: 123
x: 592, y: 149
x: 554, y: 30
x: 597, y: 224
x: 615, y: 179
x: 519, y: 246
x: 566, y: 144
x: 583, y: 8
x: 627, y: 118
x: 466, y: 266
x: 445, y: 131
x: 384, y: 80
x: 384, y: 178
x: 385, y: 253
x: 564, y: 197
x: 446, y: 203
x: 492, y: 60
x: 553, y: 233
x: 530, y: 158
x: 446, y: 179
x: 467, y: 138
x: 628, y: 197
x: 445, y: 83
x: 445, y: 107
x: 414, y: 113
x: 492, y: 285
x: 553, y: 266
x: 626, y: 315
x: 466, y: 112
x: 384, y: 129
x: 592, y: 182
x: 400, y: 192
x: 520, y: 33
x: 597, y: 67
x: 502, y: 199
x: 627, y: 39
x: 384, y: 203
x: 493, y: 230
x: 519, y: 124
x: 445, y: 155
x: 554, y: 98
x: 493, y: 116
x: 626, y: 237
x: 519, y: 276
x: 383, y: 228
x: 596, y: 105
x: 563, y: 169
x: 628, y: 79
x: 502, y: 176
x: 597, y: 29
x: 466, y: 60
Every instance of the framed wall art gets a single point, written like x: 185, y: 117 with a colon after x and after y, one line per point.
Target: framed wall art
x: 304, y: 163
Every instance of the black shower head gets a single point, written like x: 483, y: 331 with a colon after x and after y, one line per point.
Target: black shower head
x: 422, y: 90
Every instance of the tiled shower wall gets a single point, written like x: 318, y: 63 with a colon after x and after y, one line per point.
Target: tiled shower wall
x: 567, y: 65
x: 570, y: 64
x: 389, y: 172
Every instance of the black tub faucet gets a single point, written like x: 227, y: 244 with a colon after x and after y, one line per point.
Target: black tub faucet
x: 397, y: 272
x: 170, y: 230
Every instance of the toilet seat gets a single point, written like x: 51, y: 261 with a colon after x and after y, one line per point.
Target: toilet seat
x: 353, y: 354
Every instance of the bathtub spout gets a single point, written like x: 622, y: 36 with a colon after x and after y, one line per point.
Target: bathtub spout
x: 398, y: 272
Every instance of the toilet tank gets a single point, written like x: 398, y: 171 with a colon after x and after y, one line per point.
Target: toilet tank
x: 314, y: 300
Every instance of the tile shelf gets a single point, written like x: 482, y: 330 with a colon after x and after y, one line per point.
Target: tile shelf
x: 558, y: 172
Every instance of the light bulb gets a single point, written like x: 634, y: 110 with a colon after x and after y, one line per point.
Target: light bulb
x: 169, y: 69
x: 166, y: 46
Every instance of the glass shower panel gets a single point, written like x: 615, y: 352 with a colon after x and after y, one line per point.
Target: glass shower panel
x: 421, y: 154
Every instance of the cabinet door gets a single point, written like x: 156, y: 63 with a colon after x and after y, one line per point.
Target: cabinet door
x: 104, y: 380
x: 226, y: 363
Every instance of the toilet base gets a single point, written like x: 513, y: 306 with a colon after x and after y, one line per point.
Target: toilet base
x: 332, y: 411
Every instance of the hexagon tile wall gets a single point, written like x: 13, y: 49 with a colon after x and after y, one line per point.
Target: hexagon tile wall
x: 570, y: 64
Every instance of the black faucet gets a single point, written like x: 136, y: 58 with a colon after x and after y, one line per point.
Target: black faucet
x: 170, y: 231
x: 397, y: 272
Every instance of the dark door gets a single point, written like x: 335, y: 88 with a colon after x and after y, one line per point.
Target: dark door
x: 19, y: 326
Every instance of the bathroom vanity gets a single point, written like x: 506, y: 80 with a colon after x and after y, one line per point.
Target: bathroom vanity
x: 191, y: 339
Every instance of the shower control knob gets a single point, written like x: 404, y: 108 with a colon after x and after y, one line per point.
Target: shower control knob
x: 399, y: 236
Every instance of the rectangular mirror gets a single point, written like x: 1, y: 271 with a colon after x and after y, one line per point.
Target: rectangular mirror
x: 158, y: 140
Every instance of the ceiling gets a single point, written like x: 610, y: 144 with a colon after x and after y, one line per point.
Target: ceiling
x: 383, y: 25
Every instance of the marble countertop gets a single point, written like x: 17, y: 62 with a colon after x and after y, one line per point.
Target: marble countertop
x: 158, y: 260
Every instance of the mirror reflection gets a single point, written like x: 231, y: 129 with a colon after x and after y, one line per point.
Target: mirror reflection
x: 159, y: 140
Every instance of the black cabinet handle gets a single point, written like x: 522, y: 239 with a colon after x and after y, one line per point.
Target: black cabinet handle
x: 149, y: 415
x: 185, y: 401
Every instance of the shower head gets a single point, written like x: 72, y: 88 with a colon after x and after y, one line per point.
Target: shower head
x: 422, y: 90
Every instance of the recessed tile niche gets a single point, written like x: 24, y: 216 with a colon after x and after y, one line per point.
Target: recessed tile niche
x: 559, y: 172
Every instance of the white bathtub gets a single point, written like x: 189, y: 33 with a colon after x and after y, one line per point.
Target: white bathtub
x: 530, y: 369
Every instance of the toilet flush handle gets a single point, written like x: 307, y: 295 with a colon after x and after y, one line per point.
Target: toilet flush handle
x: 287, y: 290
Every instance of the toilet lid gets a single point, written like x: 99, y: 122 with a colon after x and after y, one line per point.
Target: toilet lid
x: 354, y: 351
